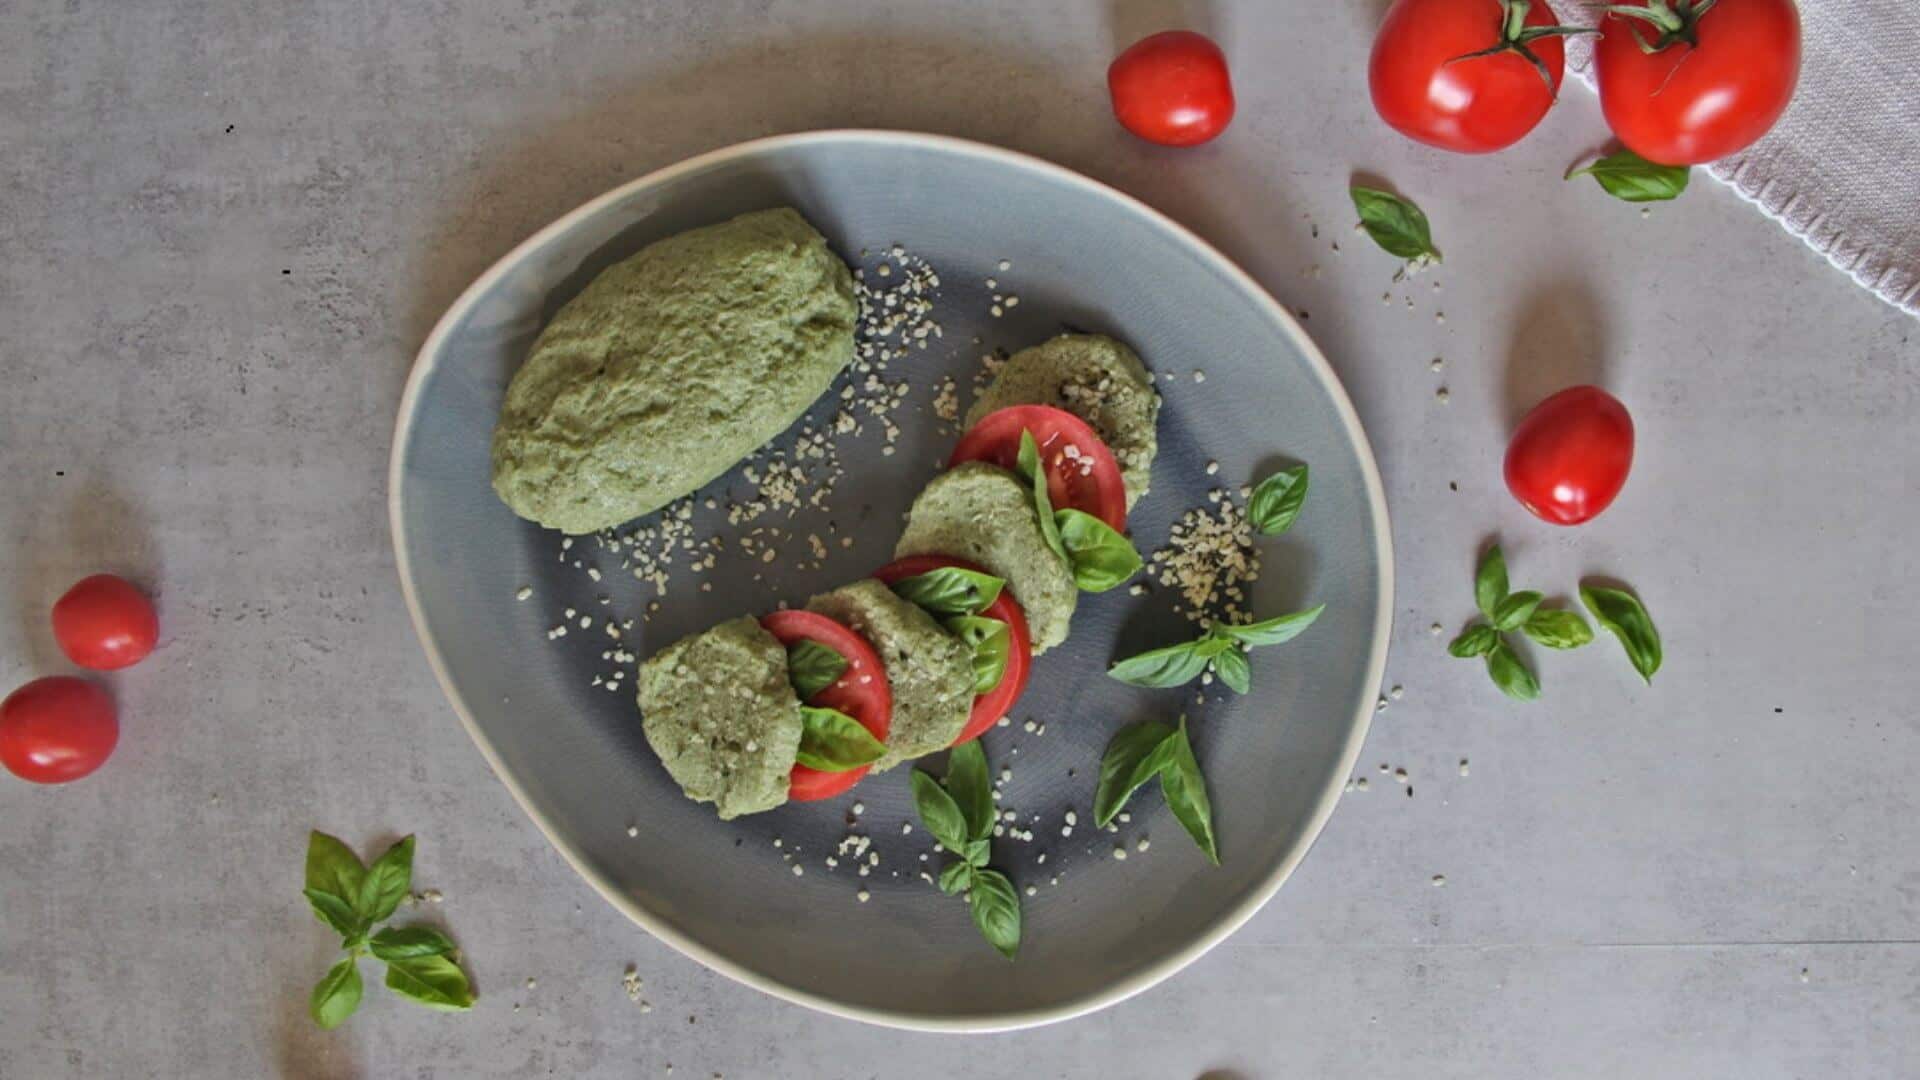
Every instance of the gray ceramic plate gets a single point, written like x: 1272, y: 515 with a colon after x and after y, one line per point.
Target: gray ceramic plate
x: 1080, y: 255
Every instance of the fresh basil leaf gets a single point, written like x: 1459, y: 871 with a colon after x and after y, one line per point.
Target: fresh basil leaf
x: 832, y: 741
x: 1173, y: 665
x: 1478, y: 640
x: 939, y: 813
x: 812, y: 667
x: 399, y: 943
x: 388, y: 880
x: 950, y: 590
x: 972, y: 790
x: 1129, y: 762
x: 1622, y: 614
x: 996, y: 910
x: 336, y: 995
x: 979, y: 851
x: 1490, y: 582
x: 956, y: 877
x: 1274, y: 631
x: 1627, y: 176
x: 1036, y: 475
x: 989, y: 640
x: 1231, y: 667
x: 433, y: 981
x: 334, y: 911
x: 1510, y: 673
x: 1398, y: 226
x: 332, y: 867
x: 1100, y: 557
x: 1185, y: 790
x: 1277, y: 500
x: 1516, y: 609
x: 1558, y: 629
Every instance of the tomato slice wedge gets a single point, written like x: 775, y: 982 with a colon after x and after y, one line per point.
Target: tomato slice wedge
x: 862, y: 692
x: 1081, y: 471
x: 989, y: 707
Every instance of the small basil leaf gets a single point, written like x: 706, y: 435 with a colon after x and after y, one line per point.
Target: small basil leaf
x: 336, y: 995
x: 971, y: 789
x: 812, y: 667
x: 388, y: 880
x: 955, y: 878
x: 1172, y: 665
x: 433, y: 981
x: 1036, y: 475
x: 1100, y: 557
x: 995, y: 907
x: 1274, y: 631
x: 334, y: 911
x: 332, y: 867
x: 1490, y: 582
x: 832, y: 741
x: 1628, y: 176
x: 950, y: 590
x: 1277, y: 500
x: 1510, y: 674
x: 1231, y: 667
x: 1398, y: 226
x: 939, y: 813
x: 989, y: 640
x: 1558, y: 629
x: 1129, y: 762
x: 1516, y: 609
x: 1185, y: 790
x: 398, y: 943
x: 979, y: 851
x: 1478, y: 640
x: 1622, y: 614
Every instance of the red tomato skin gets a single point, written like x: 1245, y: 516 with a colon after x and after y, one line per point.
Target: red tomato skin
x: 57, y: 729
x: 1570, y: 456
x: 989, y: 707
x: 1472, y: 106
x: 1098, y: 490
x: 1172, y: 89
x: 869, y: 702
x: 1728, y: 92
x: 105, y: 623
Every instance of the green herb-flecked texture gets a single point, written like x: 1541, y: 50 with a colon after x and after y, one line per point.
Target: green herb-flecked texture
x: 1096, y: 378
x: 670, y: 367
x: 1277, y: 500
x: 984, y: 514
x: 719, y: 710
x: 929, y: 671
x: 1396, y: 224
x: 1623, y: 615
x: 1627, y: 176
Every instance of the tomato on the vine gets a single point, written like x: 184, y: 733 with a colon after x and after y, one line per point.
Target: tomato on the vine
x: 57, y: 729
x: 1466, y: 75
x: 1570, y: 456
x: 1172, y: 89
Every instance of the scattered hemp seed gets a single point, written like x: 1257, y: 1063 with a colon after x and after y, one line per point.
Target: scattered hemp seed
x: 1119, y: 853
x: 1439, y: 881
x: 1397, y: 693
x: 1441, y: 395
x: 525, y: 593
x: 1463, y: 766
x: 1436, y: 629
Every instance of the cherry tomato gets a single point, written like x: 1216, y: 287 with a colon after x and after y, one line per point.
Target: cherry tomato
x: 104, y: 623
x: 989, y: 707
x: 862, y: 692
x: 1456, y: 74
x: 57, y: 729
x: 1172, y: 89
x: 1723, y: 74
x: 1570, y: 455
x: 1081, y: 471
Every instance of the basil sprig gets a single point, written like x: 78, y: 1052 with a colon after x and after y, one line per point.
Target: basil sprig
x: 1222, y: 648
x: 1509, y: 612
x: 1627, y: 176
x: 832, y: 741
x: 1100, y: 558
x: 950, y: 590
x: 1143, y: 752
x: 351, y: 899
x: 1622, y: 614
x: 1397, y: 225
x: 1277, y: 500
x: 812, y: 667
x: 960, y: 815
x: 990, y: 642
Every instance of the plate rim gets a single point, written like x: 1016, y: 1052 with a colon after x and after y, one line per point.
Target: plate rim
x: 425, y: 361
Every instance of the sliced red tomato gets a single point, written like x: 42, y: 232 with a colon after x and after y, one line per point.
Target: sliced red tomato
x: 862, y: 692
x: 1081, y: 472
x: 989, y: 707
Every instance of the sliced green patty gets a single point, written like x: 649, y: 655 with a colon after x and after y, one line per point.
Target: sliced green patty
x: 1095, y: 378
x: 985, y: 515
x: 929, y: 671
x: 670, y: 367
x: 718, y: 710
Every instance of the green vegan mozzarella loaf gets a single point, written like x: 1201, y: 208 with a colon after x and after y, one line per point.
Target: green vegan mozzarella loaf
x: 1095, y: 378
x: 670, y: 367
x: 929, y: 671
x: 718, y: 710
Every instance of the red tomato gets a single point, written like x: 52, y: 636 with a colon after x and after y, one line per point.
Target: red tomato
x: 1570, y: 455
x: 1720, y: 79
x: 57, y: 729
x: 1081, y: 471
x: 105, y: 623
x: 1172, y: 89
x: 862, y: 692
x: 1429, y: 85
x: 989, y: 707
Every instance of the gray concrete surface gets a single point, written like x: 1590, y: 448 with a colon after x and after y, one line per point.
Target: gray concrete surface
x: 228, y: 226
